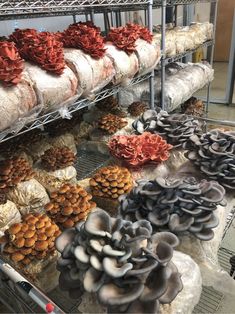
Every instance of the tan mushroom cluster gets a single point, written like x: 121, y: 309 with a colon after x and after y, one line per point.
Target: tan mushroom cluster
x: 57, y: 158
x: 193, y: 106
x: 137, y: 108
x: 111, y: 123
x: 14, y: 171
x: 111, y: 182
x: 32, y: 239
x: 70, y: 204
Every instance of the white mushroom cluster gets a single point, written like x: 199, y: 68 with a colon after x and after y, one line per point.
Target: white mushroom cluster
x: 176, y: 129
x: 128, y: 268
x: 178, y: 206
x: 214, y: 154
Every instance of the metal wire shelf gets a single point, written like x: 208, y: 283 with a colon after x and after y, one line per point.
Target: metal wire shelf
x: 79, y: 104
x: 180, y: 2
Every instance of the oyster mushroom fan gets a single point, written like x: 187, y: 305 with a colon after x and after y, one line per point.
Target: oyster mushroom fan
x: 214, y: 154
x: 122, y: 262
x: 175, y: 128
x: 31, y: 240
x: 137, y: 150
x: 179, y: 205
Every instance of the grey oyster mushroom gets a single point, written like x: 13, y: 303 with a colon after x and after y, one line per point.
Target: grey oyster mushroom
x: 128, y: 267
x: 214, y: 154
x: 177, y: 206
x: 176, y: 128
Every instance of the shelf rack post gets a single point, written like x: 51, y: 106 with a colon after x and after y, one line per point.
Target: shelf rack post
x: 212, y: 19
x: 163, y: 52
x: 151, y: 79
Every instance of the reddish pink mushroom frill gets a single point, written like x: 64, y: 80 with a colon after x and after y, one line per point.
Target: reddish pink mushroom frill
x: 11, y: 64
x: 137, y: 150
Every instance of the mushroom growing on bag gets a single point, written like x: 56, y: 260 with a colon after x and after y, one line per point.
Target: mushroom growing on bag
x: 120, y: 261
x: 214, y: 154
x: 178, y: 206
x: 68, y: 205
x: 111, y: 123
x: 30, y: 240
x: 175, y: 128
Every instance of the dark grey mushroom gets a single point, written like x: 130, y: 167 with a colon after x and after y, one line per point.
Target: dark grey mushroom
x: 65, y: 238
x: 99, y: 224
x: 175, y: 128
x: 93, y: 280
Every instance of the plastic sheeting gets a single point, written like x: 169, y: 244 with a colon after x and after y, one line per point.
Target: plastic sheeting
x: 92, y: 74
x: 9, y: 214
x: 17, y: 102
x: 53, y: 91
x: 29, y: 196
x: 182, y: 81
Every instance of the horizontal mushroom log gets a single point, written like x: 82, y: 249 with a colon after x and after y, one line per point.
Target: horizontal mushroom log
x: 175, y: 128
x: 214, y: 154
x: 57, y: 158
x: 14, y: 171
x: 180, y: 206
x: 127, y: 266
x: 31, y: 240
x: 111, y: 182
x: 68, y: 205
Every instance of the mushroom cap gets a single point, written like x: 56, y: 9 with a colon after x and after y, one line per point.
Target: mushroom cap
x: 98, y: 223
x: 93, y: 280
x: 64, y: 239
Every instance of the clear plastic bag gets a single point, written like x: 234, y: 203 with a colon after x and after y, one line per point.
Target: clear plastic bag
x: 67, y: 139
x: 52, y: 181
x: 53, y: 91
x: 92, y: 74
x: 29, y: 196
x: 18, y: 104
x: 126, y: 66
x: 9, y: 214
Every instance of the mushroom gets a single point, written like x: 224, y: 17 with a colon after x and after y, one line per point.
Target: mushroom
x: 181, y: 206
x: 214, y: 154
x: 111, y: 123
x: 57, y: 158
x: 175, y: 128
x: 117, y: 260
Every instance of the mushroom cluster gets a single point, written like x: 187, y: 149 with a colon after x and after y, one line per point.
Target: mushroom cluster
x: 175, y: 128
x: 111, y: 123
x: 193, y: 106
x: 137, y: 108
x: 108, y: 104
x: 3, y: 198
x: 14, y: 171
x: 137, y: 150
x: 214, y: 154
x: 111, y: 182
x: 68, y: 205
x: 178, y: 205
x: 128, y: 268
x: 32, y: 239
x: 57, y: 158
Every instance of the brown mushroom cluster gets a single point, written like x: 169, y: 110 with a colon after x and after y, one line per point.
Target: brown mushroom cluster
x: 57, y: 158
x: 111, y: 182
x: 32, y: 239
x: 193, y: 106
x: 176, y: 128
x: 68, y: 205
x: 108, y: 104
x: 137, y: 108
x: 14, y: 171
x: 3, y: 198
x: 111, y: 123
